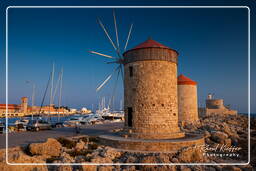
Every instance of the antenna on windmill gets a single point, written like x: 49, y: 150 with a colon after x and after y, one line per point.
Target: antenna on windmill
x: 119, y: 59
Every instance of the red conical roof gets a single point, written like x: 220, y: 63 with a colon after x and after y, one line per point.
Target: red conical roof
x: 183, y: 80
x: 149, y: 44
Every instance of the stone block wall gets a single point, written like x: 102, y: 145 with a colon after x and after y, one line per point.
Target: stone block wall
x: 215, y: 104
x: 167, y: 146
x: 187, y: 103
x: 223, y: 111
x: 24, y: 105
x: 152, y: 94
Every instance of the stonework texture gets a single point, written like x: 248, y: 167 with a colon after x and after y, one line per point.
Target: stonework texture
x: 187, y: 103
x: 223, y: 111
x: 24, y: 105
x: 216, y: 106
x: 151, y: 92
x: 151, y: 145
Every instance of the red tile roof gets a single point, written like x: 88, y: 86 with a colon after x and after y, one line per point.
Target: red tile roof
x: 149, y: 44
x: 10, y: 106
x: 183, y: 80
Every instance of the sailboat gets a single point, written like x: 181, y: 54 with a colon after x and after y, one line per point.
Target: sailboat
x: 40, y: 123
x: 53, y: 91
x: 58, y: 123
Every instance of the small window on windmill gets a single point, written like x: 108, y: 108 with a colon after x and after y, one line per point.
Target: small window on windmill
x: 131, y: 71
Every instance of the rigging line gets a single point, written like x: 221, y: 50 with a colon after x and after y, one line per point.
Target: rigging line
x: 60, y: 94
x: 57, y: 84
x: 45, y: 94
x: 52, y: 80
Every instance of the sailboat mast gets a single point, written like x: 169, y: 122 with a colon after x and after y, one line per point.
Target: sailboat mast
x: 113, y: 103
x: 102, y: 103
x: 121, y: 105
x: 51, y: 90
x: 99, y: 105
x: 104, y: 106
x: 33, y: 99
x: 33, y: 95
x: 60, y: 93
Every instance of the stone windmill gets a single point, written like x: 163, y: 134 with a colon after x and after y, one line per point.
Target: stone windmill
x: 150, y: 98
x: 150, y: 87
x: 151, y: 91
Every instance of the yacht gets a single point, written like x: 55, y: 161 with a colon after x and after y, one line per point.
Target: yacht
x: 74, y: 120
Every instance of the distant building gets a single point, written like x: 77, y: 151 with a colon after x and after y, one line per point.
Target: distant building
x: 19, y: 110
x: 215, y: 106
x: 51, y: 109
x: 84, y: 110
x: 73, y: 111
x: 13, y: 110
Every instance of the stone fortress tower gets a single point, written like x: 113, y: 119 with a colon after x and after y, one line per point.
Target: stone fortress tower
x: 150, y: 91
x: 216, y: 106
x: 187, y: 99
x: 24, y: 105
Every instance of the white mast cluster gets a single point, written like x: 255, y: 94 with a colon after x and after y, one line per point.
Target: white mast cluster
x: 53, y: 90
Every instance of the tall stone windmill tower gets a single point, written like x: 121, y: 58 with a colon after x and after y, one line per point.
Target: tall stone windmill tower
x: 149, y: 74
x: 150, y: 91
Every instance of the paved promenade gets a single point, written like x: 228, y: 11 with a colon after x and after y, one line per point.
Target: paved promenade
x: 24, y: 138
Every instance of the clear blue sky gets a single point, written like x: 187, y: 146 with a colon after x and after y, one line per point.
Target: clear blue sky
x: 212, y: 44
